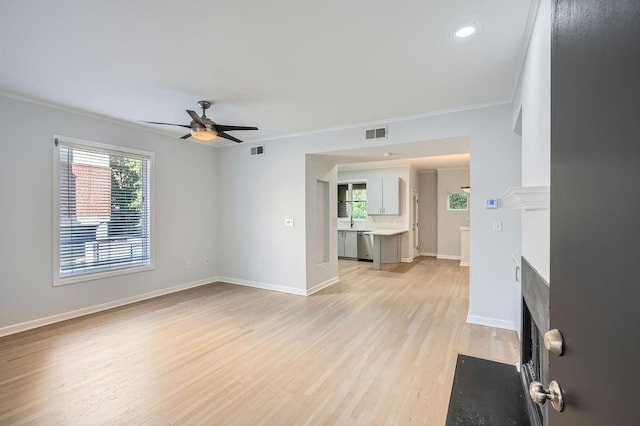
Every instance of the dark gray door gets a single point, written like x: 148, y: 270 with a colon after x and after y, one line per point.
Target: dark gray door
x: 595, y: 209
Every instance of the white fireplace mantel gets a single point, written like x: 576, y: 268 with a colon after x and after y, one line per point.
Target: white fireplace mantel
x: 526, y: 197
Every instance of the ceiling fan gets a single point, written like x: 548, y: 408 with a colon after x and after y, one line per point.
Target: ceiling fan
x: 203, y: 128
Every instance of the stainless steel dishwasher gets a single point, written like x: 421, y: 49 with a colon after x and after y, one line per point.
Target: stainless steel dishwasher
x: 365, y: 246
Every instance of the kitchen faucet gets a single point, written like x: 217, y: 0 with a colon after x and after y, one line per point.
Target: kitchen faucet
x: 351, y: 216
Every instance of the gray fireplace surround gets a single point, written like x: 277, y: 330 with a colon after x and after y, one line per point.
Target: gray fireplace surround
x: 534, y: 358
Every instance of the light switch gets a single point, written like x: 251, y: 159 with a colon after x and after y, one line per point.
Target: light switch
x: 288, y: 222
x: 497, y: 226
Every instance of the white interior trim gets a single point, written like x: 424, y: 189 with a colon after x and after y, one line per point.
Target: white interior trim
x: 448, y: 256
x: 86, y: 144
x: 85, y: 113
x: 526, y: 197
x: 28, y: 325
x: 387, y: 121
x: 265, y: 286
x: 322, y: 285
x: 491, y: 322
x: 427, y: 253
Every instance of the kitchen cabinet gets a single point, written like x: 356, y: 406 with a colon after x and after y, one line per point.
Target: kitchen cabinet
x: 348, y: 244
x: 383, y: 196
x: 464, y: 245
x: 386, y: 246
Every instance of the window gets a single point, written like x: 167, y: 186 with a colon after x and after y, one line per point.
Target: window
x: 352, y: 200
x: 457, y: 201
x: 103, y: 209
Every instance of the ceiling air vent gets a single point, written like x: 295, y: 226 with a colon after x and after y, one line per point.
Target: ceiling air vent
x: 257, y: 150
x: 380, y: 133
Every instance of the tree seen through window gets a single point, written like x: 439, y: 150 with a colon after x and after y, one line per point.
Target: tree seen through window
x: 359, y: 200
x: 458, y: 201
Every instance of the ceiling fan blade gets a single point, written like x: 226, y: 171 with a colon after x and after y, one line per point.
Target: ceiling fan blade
x: 224, y: 128
x: 226, y: 136
x: 196, y: 118
x: 187, y: 136
x: 166, y: 124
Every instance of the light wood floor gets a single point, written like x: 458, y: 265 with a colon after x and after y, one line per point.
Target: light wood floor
x: 377, y: 348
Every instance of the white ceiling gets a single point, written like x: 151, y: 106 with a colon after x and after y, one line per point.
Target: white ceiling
x: 286, y: 66
x: 423, y: 155
x: 420, y: 163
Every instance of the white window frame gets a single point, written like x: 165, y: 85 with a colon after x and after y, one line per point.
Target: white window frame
x: 82, y: 143
x: 350, y: 183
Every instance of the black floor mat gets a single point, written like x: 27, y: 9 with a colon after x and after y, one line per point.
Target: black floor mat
x: 486, y: 393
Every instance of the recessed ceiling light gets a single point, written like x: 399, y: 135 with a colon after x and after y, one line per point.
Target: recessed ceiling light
x: 387, y: 154
x: 465, y: 31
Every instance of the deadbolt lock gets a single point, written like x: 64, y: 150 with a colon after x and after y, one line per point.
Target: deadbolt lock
x: 553, y: 342
x: 540, y: 395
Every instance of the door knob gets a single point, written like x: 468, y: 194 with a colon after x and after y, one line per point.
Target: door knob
x: 553, y: 342
x: 540, y: 395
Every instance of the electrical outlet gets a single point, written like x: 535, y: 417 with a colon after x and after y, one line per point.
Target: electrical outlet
x: 189, y: 264
x: 288, y: 222
x: 497, y: 226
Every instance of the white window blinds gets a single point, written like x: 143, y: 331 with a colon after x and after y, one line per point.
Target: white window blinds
x: 104, y: 217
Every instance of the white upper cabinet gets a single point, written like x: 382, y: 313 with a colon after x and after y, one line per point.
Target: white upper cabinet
x: 374, y: 196
x: 383, y: 196
x: 391, y: 195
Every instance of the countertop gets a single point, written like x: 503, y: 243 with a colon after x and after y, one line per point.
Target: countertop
x: 377, y: 231
x: 387, y: 232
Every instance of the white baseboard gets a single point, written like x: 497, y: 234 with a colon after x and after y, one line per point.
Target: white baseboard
x: 406, y: 259
x: 280, y: 288
x: 429, y: 254
x: 264, y: 286
x: 320, y: 286
x: 40, y: 322
x: 28, y: 325
x: 464, y: 263
x: 448, y: 257
x: 491, y: 322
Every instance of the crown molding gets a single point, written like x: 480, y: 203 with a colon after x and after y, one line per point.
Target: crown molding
x: 387, y: 121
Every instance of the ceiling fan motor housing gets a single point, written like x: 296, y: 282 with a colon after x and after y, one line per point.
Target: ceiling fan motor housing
x: 210, y: 125
x: 204, y: 105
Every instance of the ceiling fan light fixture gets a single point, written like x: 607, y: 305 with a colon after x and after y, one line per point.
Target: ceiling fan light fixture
x: 204, y: 134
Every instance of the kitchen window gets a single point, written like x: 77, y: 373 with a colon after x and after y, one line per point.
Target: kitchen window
x: 102, y: 210
x: 352, y: 200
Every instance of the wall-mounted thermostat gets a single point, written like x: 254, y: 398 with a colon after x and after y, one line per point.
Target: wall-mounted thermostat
x: 492, y: 203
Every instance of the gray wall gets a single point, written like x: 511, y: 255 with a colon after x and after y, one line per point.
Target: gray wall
x: 184, y: 212
x: 428, y: 212
x: 449, y: 222
x: 206, y: 198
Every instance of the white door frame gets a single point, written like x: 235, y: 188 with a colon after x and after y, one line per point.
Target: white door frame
x: 415, y: 224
